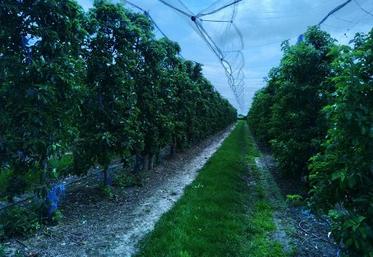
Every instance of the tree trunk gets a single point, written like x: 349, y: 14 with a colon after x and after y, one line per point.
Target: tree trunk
x: 173, y: 148
x: 151, y: 162
x: 146, y: 162
x: 157, y: 159
x: 138, y: 163
x: 106, y: 176
x: 44, y: 170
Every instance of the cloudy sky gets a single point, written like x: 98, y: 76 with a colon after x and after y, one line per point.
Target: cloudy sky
x: 264, y: 24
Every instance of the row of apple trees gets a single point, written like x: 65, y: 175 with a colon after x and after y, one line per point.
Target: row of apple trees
x: 316, y: 115
x: 97, y: 85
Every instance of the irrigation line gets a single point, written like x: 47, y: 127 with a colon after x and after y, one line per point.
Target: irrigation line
x: 17, y: 203
x: 95, y: 172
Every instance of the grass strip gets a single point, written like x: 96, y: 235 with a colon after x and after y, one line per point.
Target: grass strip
x: 224, y: 212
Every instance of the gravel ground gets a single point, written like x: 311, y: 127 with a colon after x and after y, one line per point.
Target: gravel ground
x: 97, y: 226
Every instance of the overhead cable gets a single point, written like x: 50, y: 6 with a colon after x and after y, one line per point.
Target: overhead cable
x: 363, y: 9
x: 235, y: 77
x: 339, y: 7
x: 219, y: 9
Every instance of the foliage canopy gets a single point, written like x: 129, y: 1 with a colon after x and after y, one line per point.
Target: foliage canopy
x: 316, y: 114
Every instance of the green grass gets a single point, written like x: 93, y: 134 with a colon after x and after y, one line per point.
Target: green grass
x: 2, y: 250
x: 61, y: 166
x: 224, y: 212
x: 264, y: 198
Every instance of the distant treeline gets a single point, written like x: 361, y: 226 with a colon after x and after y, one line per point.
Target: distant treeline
x: 316, y: 115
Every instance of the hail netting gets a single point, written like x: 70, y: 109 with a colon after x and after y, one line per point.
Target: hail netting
x: 215, y: 25
x: 218, y: 21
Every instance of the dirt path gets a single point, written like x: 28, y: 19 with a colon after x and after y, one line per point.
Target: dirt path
x: 95, y: 226
x: 300, y: 232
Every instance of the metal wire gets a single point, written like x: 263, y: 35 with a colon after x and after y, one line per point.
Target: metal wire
x: 233, y: 71
x: 363, y: 9
x: 175, y: 8
x: 339, y: 7
x: 219, y: 9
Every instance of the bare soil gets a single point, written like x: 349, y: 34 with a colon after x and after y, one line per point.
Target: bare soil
x: 94, y: 225
x: 300, y: 231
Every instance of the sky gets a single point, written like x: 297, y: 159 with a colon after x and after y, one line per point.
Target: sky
x: 263, y: 24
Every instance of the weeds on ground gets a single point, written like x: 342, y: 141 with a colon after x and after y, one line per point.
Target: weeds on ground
x: 57, y: 217
x: 107, y: 191
x: 128, y: 180
x: 19, y: 221
x: 5, y: 177
x: 61, y: 166
x: 260, y: 219
x: 2, y: 250
x: 295, y: 200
